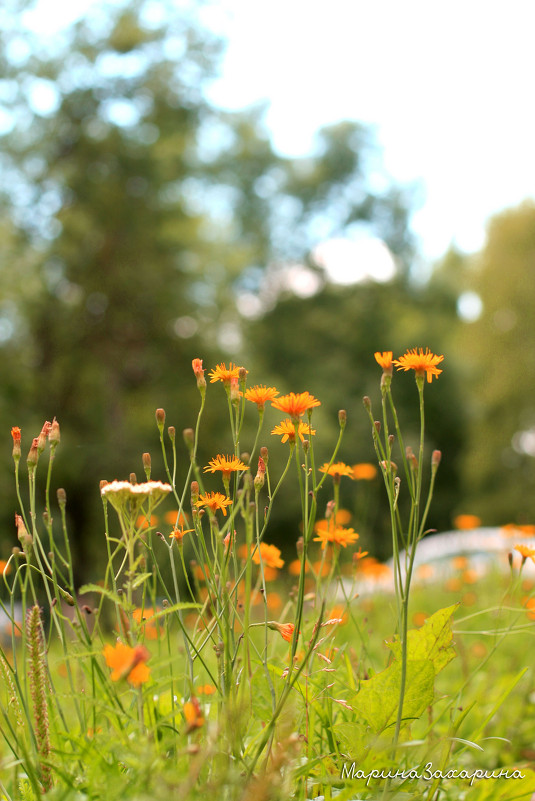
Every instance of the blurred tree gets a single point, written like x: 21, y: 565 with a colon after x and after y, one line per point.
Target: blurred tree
x: 137, y: 212
x: 499, y: 467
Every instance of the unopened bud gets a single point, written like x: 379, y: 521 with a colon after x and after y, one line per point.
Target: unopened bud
x: 54, y: 434
x: 342, y: 418
x: 390, y: 439
x: 43, y: 436
x: 132, y: 478
x: 299, y: 546
x: 103, y: 483
x: 15, y: 433
x: 377, y: 426
x: 306, y: 445
x: 23, y: 535
x: 367, y: 403
x: 242, y: 375
x: 435, y: 459
x: 411, y: 458
x: 260, y: 475
x: 189, y: 438
x: 264, y: 453
x: 199, y: 374
x: 330, y: 509
x: 160, y: 419
x: 194, y: 492
x: 145, y: 458
x: 172, y: 433
x: 33, y: 455
x: 234, y: 391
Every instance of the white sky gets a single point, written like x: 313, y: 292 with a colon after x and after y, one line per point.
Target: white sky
x: 450, y: 87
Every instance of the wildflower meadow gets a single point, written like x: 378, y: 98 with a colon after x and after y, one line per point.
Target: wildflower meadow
x: 207, y: 661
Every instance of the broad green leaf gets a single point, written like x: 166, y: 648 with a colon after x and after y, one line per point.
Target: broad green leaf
x: 433, y: 641
x: 378, y: 698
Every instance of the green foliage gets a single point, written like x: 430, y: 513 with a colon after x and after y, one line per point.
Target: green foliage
x: 432, y: 642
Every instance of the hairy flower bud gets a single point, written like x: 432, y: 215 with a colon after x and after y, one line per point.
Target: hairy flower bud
x: 342, y: 418
x: 147, y: 464
x: 54, y: 434
x: 33, y: 455
x: 15, y: 433
x: 260, y: 475
x: 160, y: 419
x: 172, y: 433
x: 62, y: 497
x: 264, y: 453
x: 43, y: 436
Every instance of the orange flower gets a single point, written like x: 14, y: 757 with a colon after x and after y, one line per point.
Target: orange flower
x: 206, y: 689
x: 466, y: 522
x: 15, y: 433
x: 197, y: 367
x: 295, y: 405
x: 270, y: 556
x: 422, y: 363
x: 143, y: 618
x: 143, y: 522
x: 384, y: 360
x: 214, y: 501
x: 4, y: 569
x: 526, y: 553
x: 286, y: 630
x: 178, y: 534
x: 529, y: 603
x: 329, y: 531
x: 364, y: 471
x: 337, y: 469
x: 221, y: 373
x: 193, y: 714
x: 294, y: 568
x: 127, y: 663
x: 174, y: 519
x: 226, y: 464
x: 260, y: 395
x: 286, y: 429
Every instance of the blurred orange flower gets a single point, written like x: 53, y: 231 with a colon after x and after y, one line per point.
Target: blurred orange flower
x: 526, y: 553
x: 193, y: 714
x: 143, y: 617
x: 337, y: 469
x: 364, y: 471
x: 127, y: 663
x: 270, y: 555
x: 466, y: 522
x: 329, y: 531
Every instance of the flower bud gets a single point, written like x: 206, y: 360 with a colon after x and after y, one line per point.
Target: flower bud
x: 172, y: 433
x: 189, y: 438
x: 54, y: 434
x: 194, y: 492
x: 367, y: 403
x: 43, y: 436
x: 33, y: 455
x: 242, y: 375
x: 24, y: 537
x: 147, y: 464
x: 160, y: 419
x: 132, y: 478
x: 234, y: 391
x: 342, y: 418
x: 435, y: 459
x: 377, y: 426
x: 264, y: 453
x: 15, y: 433
x: 199, y: 375
x: 260, y: 476
x: 62, y: 497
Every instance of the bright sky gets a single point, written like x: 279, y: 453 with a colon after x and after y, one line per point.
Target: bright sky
x: 449, y: 87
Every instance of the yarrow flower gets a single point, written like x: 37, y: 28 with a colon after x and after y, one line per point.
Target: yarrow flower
x: 270, y: 555
x: 422, y: 363
x: 119, y: 492
x: 214, y: 501
x: 337, y: 469
x: 329, y: 532
x: 286, y: 429
x: 128, y: 663
x: 224, y: 374
x: 260, y: 395
x: 225, y: 464
x: 295, y: 404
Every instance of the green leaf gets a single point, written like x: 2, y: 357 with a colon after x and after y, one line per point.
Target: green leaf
x: 378, y: 698
x: 433, y: 641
